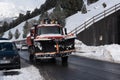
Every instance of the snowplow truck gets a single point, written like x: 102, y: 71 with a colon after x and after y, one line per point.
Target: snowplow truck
x: 50, y: 40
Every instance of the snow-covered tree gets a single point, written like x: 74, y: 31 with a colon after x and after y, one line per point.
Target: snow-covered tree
x: 27, y: 26
x: 1, y: 34
x: 25, y: 31
x: 85, y: 2
x: 84, y: 7
x: 10, y: 35
x: 43, y: 16
x: 58, y: 14
x: 17, y: 34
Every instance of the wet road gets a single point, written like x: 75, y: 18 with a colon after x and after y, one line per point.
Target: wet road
x: 78, y: 68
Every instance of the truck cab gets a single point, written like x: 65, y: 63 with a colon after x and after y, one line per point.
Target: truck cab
x: 50, y: 40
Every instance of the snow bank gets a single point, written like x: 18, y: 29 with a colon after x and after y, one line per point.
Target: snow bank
x: 26, y: 73
x: 114, y: 50
x: 106, y: 53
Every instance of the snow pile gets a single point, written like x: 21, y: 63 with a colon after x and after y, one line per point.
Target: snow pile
x: 114, y: 50
x: 25, y: 73
x: 107, y: 52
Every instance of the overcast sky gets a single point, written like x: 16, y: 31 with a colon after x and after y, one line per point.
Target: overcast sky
x: 25, y: 3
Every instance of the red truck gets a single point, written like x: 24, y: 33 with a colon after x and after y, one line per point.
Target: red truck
x: 50, y: 40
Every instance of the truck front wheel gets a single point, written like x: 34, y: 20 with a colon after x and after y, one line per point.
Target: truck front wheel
x: 31, y: 51
x: 31, y: 57
x: 64, y: 59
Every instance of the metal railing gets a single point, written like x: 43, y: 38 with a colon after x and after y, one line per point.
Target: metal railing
x: 96, y: 18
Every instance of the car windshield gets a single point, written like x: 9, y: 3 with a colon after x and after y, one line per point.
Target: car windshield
x: 6, y: 46
x: 49, y: 30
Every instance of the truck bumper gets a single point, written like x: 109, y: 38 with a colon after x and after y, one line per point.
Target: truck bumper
x: 53, y: 54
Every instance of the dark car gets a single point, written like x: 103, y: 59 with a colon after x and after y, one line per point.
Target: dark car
x: 9, y: 56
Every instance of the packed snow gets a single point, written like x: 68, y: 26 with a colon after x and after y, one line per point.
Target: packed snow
x: 27, y: 72
x: 109, y: 53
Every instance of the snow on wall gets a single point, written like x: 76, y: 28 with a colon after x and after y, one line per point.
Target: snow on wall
x: 77, y: 19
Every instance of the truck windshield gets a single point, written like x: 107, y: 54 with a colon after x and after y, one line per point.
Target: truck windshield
x: 49, y: 30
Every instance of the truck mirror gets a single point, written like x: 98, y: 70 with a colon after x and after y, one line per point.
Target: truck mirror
x: 35, y: 28
x: 65, y: 31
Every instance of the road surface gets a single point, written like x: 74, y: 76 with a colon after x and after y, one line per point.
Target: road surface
x: 78, y: 68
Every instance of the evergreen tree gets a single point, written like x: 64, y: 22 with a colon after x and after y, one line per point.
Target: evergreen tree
x: 71, y: 6
x: 35, y: 12
x: 91, y: 1
x: 1, y: 29
x: 27, y: 16
x: 31, y: 23
x: 5, y: 26
x: 10, y: 35
x: 84, y: 9
x: 1, y: 34
x: 43, y: 16
x: 25, y: 28
x: 21, y: 17
x: 17, y: 34
x: 59, y: 15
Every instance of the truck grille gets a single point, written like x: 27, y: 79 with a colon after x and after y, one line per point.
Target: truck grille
x: 50, y: 45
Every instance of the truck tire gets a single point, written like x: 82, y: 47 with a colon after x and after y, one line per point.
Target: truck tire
x: 31, y: 51
x: 18, y: 67
x: 31, y: 57
x: 64, y: 59
x: 35, y: 61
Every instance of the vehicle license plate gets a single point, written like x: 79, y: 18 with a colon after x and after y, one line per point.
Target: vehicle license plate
x: 4, y: 61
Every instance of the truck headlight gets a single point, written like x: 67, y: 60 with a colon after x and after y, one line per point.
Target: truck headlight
x: 38, y: 44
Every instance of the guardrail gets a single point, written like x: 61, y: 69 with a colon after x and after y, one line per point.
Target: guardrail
x: 96, y: 18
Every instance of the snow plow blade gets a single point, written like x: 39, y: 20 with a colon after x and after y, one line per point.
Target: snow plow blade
x: 54, y: 54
